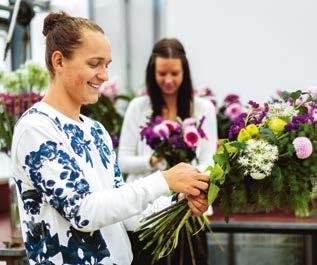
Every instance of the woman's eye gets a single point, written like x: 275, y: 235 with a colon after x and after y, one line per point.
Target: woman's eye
x: 93, y: 65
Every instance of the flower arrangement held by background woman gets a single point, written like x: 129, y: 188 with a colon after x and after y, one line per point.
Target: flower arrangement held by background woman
x: 174, y: 141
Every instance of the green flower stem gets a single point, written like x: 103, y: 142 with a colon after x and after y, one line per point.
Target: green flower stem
x: 181, y: 224
x: 152, y: 218
x: 218, y: 243
x: 190, y: 243
x: 164, y: 223
x: 170, y: 228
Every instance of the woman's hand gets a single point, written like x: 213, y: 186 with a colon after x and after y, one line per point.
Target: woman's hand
x: 158, y: 163
x: 198, y: 204
x: 186, y: 179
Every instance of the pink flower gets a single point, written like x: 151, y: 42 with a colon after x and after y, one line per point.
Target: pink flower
x: 171, y: 125
x: 191, y: 136
x: 279, y: 92
x: 233, y: 111
x: 161, y: 130
x: 110, y: 88
x: 303, y: 147
x: 313, y: 92
x: 189, y: 122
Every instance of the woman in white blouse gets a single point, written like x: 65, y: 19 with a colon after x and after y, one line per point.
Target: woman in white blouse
x: 170, y: 95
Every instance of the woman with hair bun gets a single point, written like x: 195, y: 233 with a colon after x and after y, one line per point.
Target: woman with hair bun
x: 74, y: 206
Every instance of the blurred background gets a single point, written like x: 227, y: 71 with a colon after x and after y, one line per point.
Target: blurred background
x: 249, y: 48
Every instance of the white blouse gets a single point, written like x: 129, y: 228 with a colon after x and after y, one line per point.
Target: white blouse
x: 134, y: 154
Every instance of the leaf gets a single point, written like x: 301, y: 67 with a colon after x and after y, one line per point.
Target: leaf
x: 285, y: 95
x: 278, y: 178
x: 221, y: 159
x: 216, y: 172
x: 238, y: 145
x: 268, y: 134
x: 295, y: 95
x: 212, y: 193
x: 302, y: 110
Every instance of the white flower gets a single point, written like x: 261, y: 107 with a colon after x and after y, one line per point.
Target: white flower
x: 281, y: 110
x: 257, y: 175
x: 258, y: 158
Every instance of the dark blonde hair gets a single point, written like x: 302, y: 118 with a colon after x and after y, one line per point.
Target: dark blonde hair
x: 169, y: 48
x: 63, y: 33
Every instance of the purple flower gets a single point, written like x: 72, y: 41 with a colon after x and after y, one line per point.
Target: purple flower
x: 258, y: 114
x: 297, y: 121
x: 199, y: 128
x: 253, y: 104
x: 158, y: 119
x: 115, y: 140
x: 177, y: 142
x: 303, y: 147
x: 237, y: 125
x: 231, y: 99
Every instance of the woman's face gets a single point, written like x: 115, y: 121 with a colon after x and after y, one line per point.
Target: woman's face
x: 169, y: 75
x: 86, y: 70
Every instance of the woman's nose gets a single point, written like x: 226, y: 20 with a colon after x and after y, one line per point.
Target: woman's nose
x: 103, y: 75
x: 168, y: 79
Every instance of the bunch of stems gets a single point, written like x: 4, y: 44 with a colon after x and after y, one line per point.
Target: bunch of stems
x: 162, y: 230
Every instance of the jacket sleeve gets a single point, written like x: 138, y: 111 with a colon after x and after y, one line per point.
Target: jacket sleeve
x: 57, y: 177
x: 129, y: 160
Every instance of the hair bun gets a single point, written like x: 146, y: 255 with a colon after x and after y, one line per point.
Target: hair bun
x: 52, y: 20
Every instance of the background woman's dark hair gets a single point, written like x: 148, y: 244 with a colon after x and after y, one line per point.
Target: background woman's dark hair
x: 63, y: 33
x: 169, y: 48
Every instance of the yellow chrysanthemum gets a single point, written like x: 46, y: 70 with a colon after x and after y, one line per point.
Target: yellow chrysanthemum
x: 277, y: 125
x: 243, y: 136
x: 252, y: 130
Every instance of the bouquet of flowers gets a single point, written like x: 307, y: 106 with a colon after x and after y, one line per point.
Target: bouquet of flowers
x: 269, y: 160
x: 175, y: 141
x: 23, y: 88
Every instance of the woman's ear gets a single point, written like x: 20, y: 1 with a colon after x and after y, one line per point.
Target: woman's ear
x: 57, y: 61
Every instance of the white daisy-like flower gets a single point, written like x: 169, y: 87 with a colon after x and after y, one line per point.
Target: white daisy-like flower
x: 258, y: 158
x: 281, y: 110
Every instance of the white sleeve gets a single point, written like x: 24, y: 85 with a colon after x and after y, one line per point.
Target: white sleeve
x: 159, y: 204
x: 59, y: 180
x: 129, y: 160
x: 208, y: 147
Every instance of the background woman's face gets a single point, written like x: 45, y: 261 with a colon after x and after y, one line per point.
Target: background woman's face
x: 169, y: 75
x: 86, y: 70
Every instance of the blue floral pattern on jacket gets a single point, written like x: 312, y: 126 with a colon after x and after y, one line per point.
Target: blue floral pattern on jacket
x: 103, y: 149
x: 71, y: 177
